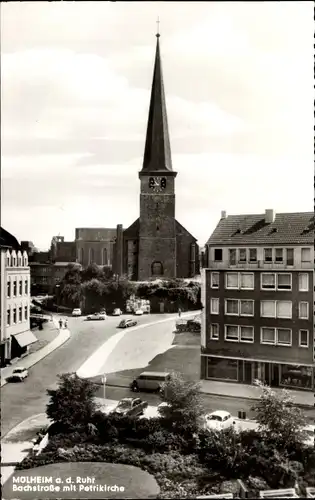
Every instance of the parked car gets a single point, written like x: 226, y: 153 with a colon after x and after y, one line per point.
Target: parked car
x: 309, y: 431
x: 18, y: 374
x: 139, y: 312
x: 76, y: 312
x: 96, y: 316
x: 117, y: 312
x: 126, y: 323
x: 219, y: 420
x: 131, y: 406
x: 149, y: 381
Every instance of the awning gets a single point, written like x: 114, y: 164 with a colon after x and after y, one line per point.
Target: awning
x: 25, y: 338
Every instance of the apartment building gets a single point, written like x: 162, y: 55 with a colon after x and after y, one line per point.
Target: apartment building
x: 258, y: 298
x: 15, y: 299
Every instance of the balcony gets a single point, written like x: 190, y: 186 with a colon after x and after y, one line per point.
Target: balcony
x: 259, y: 264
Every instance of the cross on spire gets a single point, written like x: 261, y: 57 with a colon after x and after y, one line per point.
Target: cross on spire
x: 158, y: 27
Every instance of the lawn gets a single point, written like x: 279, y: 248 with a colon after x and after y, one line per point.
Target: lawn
x: 135, y: 482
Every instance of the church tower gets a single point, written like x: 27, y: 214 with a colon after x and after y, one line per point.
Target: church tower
x: 157, y: 227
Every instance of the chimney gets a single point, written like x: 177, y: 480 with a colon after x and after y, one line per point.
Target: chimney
x: 269, y: 215
x: 223, y: 214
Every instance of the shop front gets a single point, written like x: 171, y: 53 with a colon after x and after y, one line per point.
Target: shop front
x: 248, y: 371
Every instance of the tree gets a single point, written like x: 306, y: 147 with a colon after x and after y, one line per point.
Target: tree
x: 278, y: 418
x: 184, y: 402
x: 72, y: 404
x: 93, y: 271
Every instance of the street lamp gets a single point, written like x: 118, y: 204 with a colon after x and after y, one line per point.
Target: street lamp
x: 57, y: 296
x: 104, y: 385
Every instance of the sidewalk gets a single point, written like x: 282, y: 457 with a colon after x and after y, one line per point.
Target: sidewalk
x: 35, y: 357
x: 243, y: 391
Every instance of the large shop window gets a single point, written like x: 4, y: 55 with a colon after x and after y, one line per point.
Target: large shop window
x: 296, y: 376
x: 222, y: 368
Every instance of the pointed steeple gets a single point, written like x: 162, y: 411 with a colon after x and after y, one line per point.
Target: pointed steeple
x: 157, y: 152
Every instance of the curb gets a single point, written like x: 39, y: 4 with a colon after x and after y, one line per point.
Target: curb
x: 63, y: 336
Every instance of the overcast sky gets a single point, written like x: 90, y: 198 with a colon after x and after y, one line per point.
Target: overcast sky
x: 76, y: 80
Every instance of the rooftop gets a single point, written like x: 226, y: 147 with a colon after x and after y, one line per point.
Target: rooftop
x: 286, y: 228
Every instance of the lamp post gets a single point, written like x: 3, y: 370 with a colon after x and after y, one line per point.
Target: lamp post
x: 57, y: 296
x: 104, y: 385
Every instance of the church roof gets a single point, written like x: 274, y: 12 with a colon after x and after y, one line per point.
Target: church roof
x: 287, y: 228
x: 157, y: 152
x: 8, y: 240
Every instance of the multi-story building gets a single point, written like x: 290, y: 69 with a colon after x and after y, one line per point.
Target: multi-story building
x: 258, y: 297
x: 15, y: 299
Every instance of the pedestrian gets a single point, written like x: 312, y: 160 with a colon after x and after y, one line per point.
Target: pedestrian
x: 179, y: 312
x: 60, y: 323
x: 66, y: 323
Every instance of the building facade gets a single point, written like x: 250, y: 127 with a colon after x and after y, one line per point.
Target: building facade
x: 94, y: 246
x: 15, y: 300
x: 258, y: 297
x: 156, y: 245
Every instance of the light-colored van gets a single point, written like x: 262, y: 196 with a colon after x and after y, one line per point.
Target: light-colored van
x: 149, y: 381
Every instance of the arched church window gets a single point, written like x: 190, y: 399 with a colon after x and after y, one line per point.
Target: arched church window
x: 105, y: 257
x: 91, y: 256
x: 157, y: 268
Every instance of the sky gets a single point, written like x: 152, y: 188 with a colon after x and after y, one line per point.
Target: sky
x: 76, y: 80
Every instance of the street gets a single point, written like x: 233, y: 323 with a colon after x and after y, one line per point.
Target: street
x: 22, y: 400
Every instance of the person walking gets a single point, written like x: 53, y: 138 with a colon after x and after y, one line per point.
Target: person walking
x: 66, y: 323
x: 179, y: 312
x: 60, y: 323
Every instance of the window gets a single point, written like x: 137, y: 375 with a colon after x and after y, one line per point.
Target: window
x: 26, y: 287
x: 268, y: 254
x: 231, y: 333
x: 284, y: 336
x: 105, y: 259
x: 305, y: 254
x: 290, y: 256
x: 242, y: 254
x: 218, y: 254
x: 232, y: 256
x: 26, y: 312
x: 157, y: 268
x: 231, y: 306
x: 215, y: 280
x: 303, y: 338
x: 279, y: 254
x: 232, y: 280
x: 284, y: 309
x: 14, y: 315
x: 268, y: 335
x: 8, y: 317
x: 20, y: 313
x: 303, y: 282
x: 268, y: 281
x: 214, y: 331
x: 247, y: 308
x: 284, y: 281
x: 214, y: 306
x: 20, y: 287
x: 247, y: 334
x: 303, y: 310
x: 247, y: 281
x: 9, y: 288
x: 14, y: 288
x: 253, y: 255
x: 268, y: 309
x: 91, y: 255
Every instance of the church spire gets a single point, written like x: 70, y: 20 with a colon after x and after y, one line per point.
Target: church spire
x: 157, y: 152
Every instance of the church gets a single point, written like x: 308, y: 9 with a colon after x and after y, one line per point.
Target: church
x: 156, y: 245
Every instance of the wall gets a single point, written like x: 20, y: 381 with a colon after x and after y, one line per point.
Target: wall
x: 256, y: 350
x: 97, y: 240
x: 184, y: 240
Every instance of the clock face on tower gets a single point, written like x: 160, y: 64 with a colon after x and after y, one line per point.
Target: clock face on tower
x: 157, y: 184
